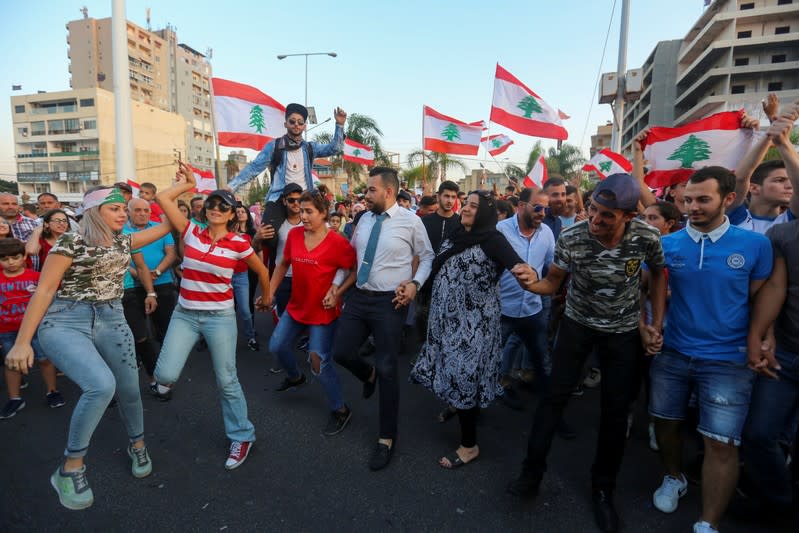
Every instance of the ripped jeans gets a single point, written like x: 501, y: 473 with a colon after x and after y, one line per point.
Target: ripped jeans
x: 320, y: 342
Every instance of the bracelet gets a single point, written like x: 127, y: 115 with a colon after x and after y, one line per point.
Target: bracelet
x: 149, y: 294
x: 157, y: 272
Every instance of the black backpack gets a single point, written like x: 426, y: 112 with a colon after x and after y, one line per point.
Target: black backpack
x: 277, y: 155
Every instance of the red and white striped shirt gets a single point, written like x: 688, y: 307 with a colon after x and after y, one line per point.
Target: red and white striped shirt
x: 207, y: 268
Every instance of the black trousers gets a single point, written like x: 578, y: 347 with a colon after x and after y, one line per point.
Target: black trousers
x: 143, y: 335
x: 364, y: 314
x: 618, y: 359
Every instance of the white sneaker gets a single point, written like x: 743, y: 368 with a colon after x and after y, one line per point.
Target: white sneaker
x: 669, y: 493
x: 653, y: 441
x: 704, y: 527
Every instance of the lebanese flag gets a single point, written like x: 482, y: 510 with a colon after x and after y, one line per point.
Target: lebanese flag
x: 206, y: 182
x: 135, y: 186
x: 516, y: 107
x: 674, y: 154
x: 245, y: 117
x: 449, y: 135
x: 496, y: 144
x: 606, y: 162
x: 538, y: 174
x: 358, y: 153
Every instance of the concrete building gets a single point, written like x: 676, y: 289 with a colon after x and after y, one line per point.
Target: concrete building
x: 601, y: 139
x: 656, y: 104
x: 483, y: 180
x: 162, y: 73
x: 64, y: 142
x: 735, y: 54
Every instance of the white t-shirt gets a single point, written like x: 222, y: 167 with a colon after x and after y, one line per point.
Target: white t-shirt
x: 743, y: 218
x: 295, y: 167
x: 282, y: 235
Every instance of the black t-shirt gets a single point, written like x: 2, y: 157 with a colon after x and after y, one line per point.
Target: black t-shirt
x: 438, y: 228
x: 785, y: 240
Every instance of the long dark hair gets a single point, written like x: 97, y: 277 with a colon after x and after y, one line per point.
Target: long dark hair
x: 46, y: 233
x: 249, y: 226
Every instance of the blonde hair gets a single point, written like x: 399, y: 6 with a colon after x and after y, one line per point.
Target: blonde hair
x: 93, y: 229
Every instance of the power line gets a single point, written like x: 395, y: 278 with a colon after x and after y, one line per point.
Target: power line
x: 598, y: 74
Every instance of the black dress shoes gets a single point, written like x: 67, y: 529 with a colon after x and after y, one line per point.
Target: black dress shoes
x: 381, y: 456
x: 604, y: 511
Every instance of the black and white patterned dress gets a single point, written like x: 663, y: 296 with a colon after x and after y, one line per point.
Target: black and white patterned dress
x: 460, y: 360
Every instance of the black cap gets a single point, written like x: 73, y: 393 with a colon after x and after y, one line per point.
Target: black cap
x: 122, y: 185
x: 404, y: 195
x: 297, y: 108
x: 225, y: 196
x: 618, y: 191
x: 291, y: 188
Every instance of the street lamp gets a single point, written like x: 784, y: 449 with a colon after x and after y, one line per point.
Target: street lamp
x: 284, y: 56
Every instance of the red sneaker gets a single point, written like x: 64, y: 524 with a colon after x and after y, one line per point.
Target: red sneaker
x: 238, y: 454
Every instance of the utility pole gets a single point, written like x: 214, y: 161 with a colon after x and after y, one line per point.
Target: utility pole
x: 123, y: 121
x: 618, y: 106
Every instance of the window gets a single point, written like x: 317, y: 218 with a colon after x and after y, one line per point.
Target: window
x: 87, y: 102
x: 39, y: 188
x: 24, y: 167
x: 19, y: 109
x: 779, y: 30
x: 74, y: 187
x: 775, y: 86
x: 744, y: 34
x: 741, y: 61
x: 41, y: 167
x: 784, y: 2
x: 23, y: 131
x: 89, y: 124
x: 55, y: 127
x: 737, y: 89
x: 748, y: 5
x: 779, y: 58
x: 72, y: 125
x: 37, y: 128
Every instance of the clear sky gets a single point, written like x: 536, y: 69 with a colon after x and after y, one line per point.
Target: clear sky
x: 393, y: 56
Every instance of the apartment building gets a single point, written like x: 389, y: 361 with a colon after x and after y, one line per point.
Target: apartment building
x: 64, y: 142
x: 162, y: 73
x: 601, y: 139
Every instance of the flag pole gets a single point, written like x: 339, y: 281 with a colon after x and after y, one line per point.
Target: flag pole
x: 500, y: 166
x: 424, y: 177
x: 218, y: 163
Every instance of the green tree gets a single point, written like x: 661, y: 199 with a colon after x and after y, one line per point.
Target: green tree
x: 568, y: 162
x: 605, y: 166
x: 529, y: 105
x: 535, y: 153
x: 9, y: 186
x: 256, y: 192
x: 435, y: 161
x: 231, y: 167
x: 413, y: 176
x: 451, y: 132
x: 692, y: 150
x: 257, y: 118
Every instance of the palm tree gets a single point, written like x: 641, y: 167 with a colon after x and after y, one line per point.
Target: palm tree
x: 535, y: 153
x: 231, y: 167
x: 413, y: 176
x: 568, y: 162
x: 364, y: 130
x: 437, y: 163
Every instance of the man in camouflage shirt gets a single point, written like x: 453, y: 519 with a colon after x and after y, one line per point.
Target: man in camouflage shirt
x: 604, y: 255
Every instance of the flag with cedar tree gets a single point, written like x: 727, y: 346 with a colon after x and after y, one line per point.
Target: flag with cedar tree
x: 449, y: 135
x: 496, y: 144
x: 358, y: 153
x: 245, y: 116
x: 607, y: 162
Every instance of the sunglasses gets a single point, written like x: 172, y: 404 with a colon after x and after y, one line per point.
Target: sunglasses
x: 295, y: 122
x: 538, y: 208
x: 223, y: 207
x: 292, y: 200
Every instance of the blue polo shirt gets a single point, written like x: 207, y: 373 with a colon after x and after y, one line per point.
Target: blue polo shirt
x: 153, y: 253
x: 538, y: 252
x: 709, y: 276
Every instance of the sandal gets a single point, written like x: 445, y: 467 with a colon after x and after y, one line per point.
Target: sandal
x: 445, y: 415
x: 455, y: 461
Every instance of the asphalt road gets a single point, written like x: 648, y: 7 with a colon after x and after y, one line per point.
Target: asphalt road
x: 296, y: 479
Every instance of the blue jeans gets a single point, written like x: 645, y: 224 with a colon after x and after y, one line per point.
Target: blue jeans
x: 92, y: 344
x: 532, y: 331
x: 218, y: 328
x: 241, y: 294
x: 723, y: 390
x: 7, y: 340
x: 773, y: 409
x: 320, y: 342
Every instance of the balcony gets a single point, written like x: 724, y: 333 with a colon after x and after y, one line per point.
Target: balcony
x: 37, y: 177
x: 25, y: 156
x: 729, y: 102
x: 65, y: 154
x: 708, y: 79
x: 82, y: 176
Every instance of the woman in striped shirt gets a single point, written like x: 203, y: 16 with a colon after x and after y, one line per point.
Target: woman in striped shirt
x: 205, y: 304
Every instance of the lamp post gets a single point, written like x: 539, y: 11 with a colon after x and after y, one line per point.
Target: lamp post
x: 284, y: 56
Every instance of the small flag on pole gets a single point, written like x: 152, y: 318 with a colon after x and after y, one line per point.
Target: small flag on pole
x: 449, y: 135
x: 135, y: 186
x: 496, y: 144
x: 358, y: 153
x: 606, y: 163
x: 538, y: 174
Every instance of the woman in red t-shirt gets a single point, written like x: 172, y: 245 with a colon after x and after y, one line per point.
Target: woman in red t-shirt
x: 54, y: 224
x: 315, y: 253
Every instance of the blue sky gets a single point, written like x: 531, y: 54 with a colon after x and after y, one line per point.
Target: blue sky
x: 393, y: 57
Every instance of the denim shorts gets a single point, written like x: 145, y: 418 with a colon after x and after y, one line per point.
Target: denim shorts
x: 723, y: 390
x: 7, y: 340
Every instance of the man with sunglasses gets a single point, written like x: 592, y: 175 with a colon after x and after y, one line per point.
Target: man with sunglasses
x: 604, y: 255
x: 522, y: 311
x: 290, y: 160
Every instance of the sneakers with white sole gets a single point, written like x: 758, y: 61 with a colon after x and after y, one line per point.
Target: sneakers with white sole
x: 141, y: 465
x: 668, y: 495
x: 704, y: 527
x: 73, y: 488
x: 238, y: 454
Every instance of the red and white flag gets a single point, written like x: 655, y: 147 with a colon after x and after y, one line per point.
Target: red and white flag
x: 358, y: 153
x: 606, y: 162
x: 206, y: 182
x: 449, y: 135
x: 538, y: 174
x: 245, y: 117
x: 673, y: 154
x: 562, y: 115
x: 517, y: 107
x: 496, y: 144
x: 135, y: 186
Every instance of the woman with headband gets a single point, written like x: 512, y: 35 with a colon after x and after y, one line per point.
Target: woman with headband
x: 84, y: 333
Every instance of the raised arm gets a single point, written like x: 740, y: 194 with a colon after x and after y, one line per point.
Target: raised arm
x: 167, y: 199
x: 336, y: 144
x: 779, y: 133
x: 747, y: 165
x: 647, y: 197
x: 32, y: 247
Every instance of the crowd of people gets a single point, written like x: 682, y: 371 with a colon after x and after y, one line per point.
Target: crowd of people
x: 692, y: 297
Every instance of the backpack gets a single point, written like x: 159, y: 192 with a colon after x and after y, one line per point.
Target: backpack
x: 277, y: 155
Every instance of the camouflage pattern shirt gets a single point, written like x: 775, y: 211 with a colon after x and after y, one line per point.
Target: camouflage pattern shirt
x: 604, y: 283
x: 97, y: 272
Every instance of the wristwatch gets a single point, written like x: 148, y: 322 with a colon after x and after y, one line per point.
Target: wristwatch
x: 418, y: 285
x: 157, y: 272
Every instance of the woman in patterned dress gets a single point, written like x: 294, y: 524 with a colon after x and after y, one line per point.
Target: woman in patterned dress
x: 460, y: 361
x: 84, y: 333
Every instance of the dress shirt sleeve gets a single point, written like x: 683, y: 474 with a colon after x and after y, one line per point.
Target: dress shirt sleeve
x: 422, y: 248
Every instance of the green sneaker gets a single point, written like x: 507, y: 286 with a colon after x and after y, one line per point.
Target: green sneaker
x: 142, y: 466
x: 73, y: 488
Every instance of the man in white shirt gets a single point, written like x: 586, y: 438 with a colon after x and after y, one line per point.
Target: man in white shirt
x: 386, y: 240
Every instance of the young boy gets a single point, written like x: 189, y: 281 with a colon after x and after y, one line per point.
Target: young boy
x: 17, y: 285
